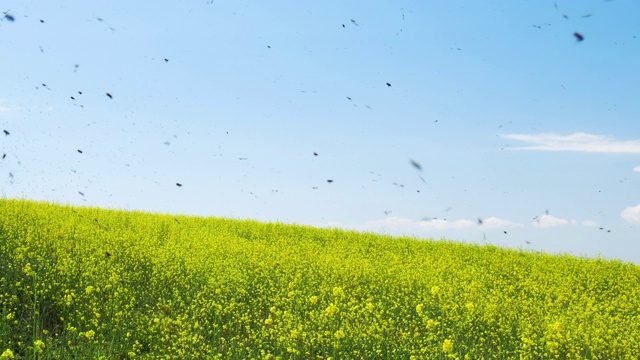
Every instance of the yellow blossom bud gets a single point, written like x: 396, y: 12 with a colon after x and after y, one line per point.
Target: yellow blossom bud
x: 447, y: 346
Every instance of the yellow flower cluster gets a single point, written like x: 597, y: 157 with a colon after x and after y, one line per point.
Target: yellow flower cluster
x: 91, y: 283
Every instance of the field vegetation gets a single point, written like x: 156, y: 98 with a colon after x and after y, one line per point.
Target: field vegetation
x: 91, y: 283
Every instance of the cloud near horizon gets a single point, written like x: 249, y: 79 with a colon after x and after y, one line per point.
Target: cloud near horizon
x: 579, y: 142
x: 432, y: 224
x: 637, y: 169
x: 497, y: 223
x: 426, y: 227
x: 548, y: 221
x: 631, y: 214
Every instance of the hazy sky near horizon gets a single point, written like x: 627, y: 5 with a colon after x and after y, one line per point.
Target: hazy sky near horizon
x: 524, y: 136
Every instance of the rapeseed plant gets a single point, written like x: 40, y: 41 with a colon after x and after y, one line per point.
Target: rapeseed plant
x: 91, y: 283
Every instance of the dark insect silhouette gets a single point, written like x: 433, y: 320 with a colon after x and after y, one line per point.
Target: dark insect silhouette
x: 107, y: 254
x: 80, y: 92
x: 388, y: 84
x: 348, y: 98
x: 416, y: 165
x: 268, y: 46
x: 343, y: 25
x: 528, y: 242
x: 315, y: 154
x: 579, y: 37
x: 110, y: 96
x: 329, y: 181
x: 4, y: 156
x: 9, y: 17
x: 81, y: 193
x: 480, y: 221
x: 80, y: 151
x: 72, y: 98
x: 42, y: 21
x: 166, y: 60
x: 178, y: 184
x: 354, y: 22
x: 176, y: 220
x: 505, y: 231
x: 6, y: 133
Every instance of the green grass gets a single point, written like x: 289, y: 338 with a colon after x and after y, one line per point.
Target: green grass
x: 92, y: 283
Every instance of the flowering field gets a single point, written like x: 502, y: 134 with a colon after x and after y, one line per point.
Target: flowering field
x: 92, y: 283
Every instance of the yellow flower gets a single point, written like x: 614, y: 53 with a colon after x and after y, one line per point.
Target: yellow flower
x: 313, y: 299
x: 337, y: 291
x: 268, y: 321
x: 435, y: 290
x: 10, y: 316
x: 470, y: 306
x: 339, y: 334
x: 7, y: 354
x: 432, y: 323
x: 89, y: 289
x: 370, y: 307
x: 90, y: 334
x: 419, y: 308
x: 557, y: 326
x: 39, y: 344
x: 331, y: 309
x: 447, y: 346
x: 27, y: 270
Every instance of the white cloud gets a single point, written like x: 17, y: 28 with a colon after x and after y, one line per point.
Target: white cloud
x: 5, y: 108
x: 576, y: 142
x: 631, y: 214
x: 427, y: 227
x: 589, y: 223
x: 442, y: 224
x: 409, y: 225
x: 637, y: 169
x: 547, y: 221
x: 497, y: 223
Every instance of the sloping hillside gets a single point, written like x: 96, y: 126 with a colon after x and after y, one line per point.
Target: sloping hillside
x: 86, y: 283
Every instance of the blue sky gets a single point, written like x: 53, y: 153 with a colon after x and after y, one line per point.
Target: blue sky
x: 512, y: 120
